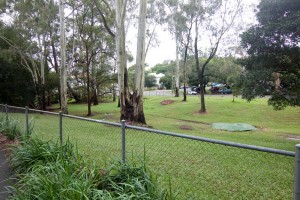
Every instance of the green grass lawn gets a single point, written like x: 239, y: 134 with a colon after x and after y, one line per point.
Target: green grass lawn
x: 274, y: 127
x: 198, y: 170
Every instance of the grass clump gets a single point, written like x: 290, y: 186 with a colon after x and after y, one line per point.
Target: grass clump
x: 10, y: 127
x: 46, y: 170
x: 33, y: 151
x: 129, y: 181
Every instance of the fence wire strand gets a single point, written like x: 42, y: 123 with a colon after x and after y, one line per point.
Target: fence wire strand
x: 197, y: 169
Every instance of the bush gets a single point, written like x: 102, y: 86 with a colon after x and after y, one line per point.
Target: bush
x: 10, y: 127
x: 124, y: 181
x: 34, y: 151
x: 46, y: 170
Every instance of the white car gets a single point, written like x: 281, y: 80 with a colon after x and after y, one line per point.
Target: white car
x: 191, y: 92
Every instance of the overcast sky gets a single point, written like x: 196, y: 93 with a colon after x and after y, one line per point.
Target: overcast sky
x: 166, y: 48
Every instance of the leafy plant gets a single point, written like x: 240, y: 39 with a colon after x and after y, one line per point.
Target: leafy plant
x: 63, y: 179
x: 10, y: 127
x: 47, y: 170
x: 35, y: 151
x: 129, y: 181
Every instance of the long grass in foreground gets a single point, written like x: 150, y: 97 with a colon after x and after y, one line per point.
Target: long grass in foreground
x: 46, y: 170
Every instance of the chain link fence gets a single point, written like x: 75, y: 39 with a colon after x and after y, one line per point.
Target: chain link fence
x: 191, y: 167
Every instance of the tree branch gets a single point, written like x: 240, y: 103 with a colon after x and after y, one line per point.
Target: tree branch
x: 104, y: 19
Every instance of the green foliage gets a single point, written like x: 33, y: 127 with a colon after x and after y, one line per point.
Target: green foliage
x: 219, y: 69
x: 168, y: 69
x: 34, y: 151
x: 273, y: 47
x: 166, y: 82
x: 46, y: 170
x: 10, y: 127
x: 150, y: 80
x: 126, y: 181
x: 16, y: 84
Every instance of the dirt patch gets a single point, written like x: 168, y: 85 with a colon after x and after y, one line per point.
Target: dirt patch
x: 186, y: 127
x: 166, y: 102
x: 292, y: 137
x: 5, y: 143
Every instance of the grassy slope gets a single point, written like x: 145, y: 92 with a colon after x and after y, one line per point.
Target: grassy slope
x: 237, y: 173
x: 273, y: 126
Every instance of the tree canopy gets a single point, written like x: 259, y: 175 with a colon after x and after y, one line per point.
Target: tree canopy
x: 273, y: 64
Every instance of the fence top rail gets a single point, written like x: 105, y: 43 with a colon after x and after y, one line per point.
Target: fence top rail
x: 214, y: 141
x: 93, y: 120
x: 190, y: 137
x: 15, y: 107
x: 42, y: 111
x: 30, y: 109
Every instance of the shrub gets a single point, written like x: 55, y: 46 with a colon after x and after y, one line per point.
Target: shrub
x: 63, y: 179
x: 129, y: 181
x: 10, y: 127
x: 46, y: 170
x: 35, y: 151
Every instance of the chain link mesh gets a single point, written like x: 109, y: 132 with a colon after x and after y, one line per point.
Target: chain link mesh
x: 14, y: 113
x: 45, y: 125
x: 197, y: 170
x: 201, y: 170
x: 97, y: 142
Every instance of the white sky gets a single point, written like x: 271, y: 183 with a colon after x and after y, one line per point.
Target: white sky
x: 166, y: 48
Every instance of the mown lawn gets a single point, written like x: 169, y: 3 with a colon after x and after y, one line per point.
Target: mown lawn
x: 197, y: 170
x: 274, y: 127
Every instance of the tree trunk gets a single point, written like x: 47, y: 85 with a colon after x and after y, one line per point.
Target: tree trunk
x: 94, y: 71
x: 131, y: 105
x: 42, y: 63
x: 184, y: 72
x: 75, y: 94
x: 177, y: 69
x: 88, y: 81
x: 95, y: 97
x: 121, y: 57
x: 56, y: 67
x: 200, y: 72
x: 63, y: 68
x: 138, y: 112
x: 114, y: 93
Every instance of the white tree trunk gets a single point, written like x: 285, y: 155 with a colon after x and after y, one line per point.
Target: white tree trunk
x: 177, y: 69
x: 138, y: 113
x: 43, y: 61
x: 140, y: 54
x: 121, y: 51
x: 63, y: 68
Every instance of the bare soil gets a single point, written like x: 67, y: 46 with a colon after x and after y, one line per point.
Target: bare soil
x: 186, y: 127
x: 166, y: 102
x: 5, y: 171
x: 5, y: 143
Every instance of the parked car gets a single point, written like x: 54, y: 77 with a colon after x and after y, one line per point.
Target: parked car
x: 225, y: 90
x: 194, y: 90
x: 214, y: 89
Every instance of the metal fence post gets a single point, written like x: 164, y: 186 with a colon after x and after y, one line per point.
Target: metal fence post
x: 27, y: 123
x: 60, y: 127
x: 297, y: 174
x: 123, y: 141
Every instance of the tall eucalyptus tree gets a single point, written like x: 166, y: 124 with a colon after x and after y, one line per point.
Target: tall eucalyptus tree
x: 33, y: 19
x: 63, y: 67
x: 216, y: 17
